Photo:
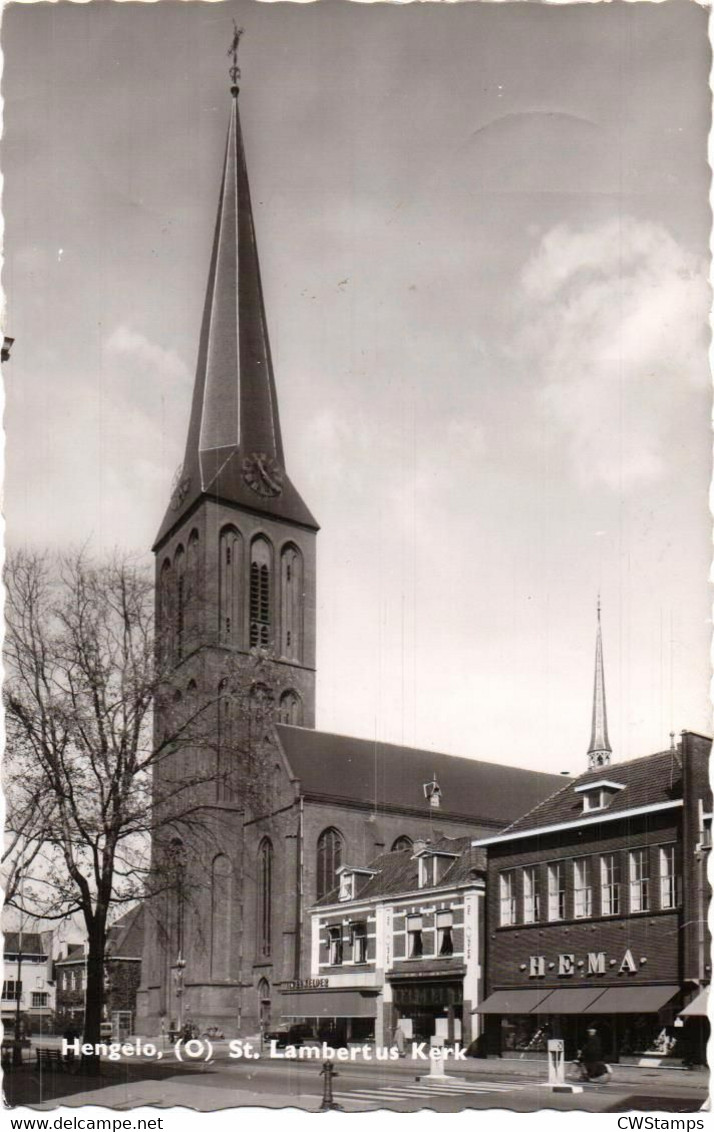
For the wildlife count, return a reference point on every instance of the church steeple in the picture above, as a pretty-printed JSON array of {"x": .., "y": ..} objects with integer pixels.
[
  {"x": 599, "y": 751},
  {"x": 234, "y": 450}
]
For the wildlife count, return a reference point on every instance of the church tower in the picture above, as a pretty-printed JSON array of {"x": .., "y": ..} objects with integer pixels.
[
  {"x": 235, "y": 553},
  {"x": 235, "y": 624},
  {"x": 599, "y": 751}
]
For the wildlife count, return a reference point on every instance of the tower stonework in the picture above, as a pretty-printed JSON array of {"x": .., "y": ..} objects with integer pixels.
[{"x": 235, "y": 613}]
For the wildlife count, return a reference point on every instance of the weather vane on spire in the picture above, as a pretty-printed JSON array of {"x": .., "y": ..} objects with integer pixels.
[{"x": 234, "y": 71}]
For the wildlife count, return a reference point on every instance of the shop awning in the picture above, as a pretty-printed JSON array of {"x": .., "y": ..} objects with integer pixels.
[
  {"x": 511, "y": 1002},
  {"x": 570, "y": 1000},
  {"x": 632, "y": 1000},
  {"x": 329, "y": 1004},
  {"x": 698, "y": 1006}
]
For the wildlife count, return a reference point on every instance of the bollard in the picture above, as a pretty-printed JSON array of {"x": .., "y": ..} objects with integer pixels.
[{"x": 328, "y": 1071}]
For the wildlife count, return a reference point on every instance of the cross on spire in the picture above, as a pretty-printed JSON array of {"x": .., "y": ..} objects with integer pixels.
[{"x": 234, "y": 71}]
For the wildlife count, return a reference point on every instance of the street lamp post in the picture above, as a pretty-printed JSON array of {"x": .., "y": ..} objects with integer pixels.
[
  {"x": 178, "y": 976},
  {"x": 17, "y": 1044}
]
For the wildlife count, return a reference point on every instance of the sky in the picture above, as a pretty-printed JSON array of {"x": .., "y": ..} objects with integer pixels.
[{"x": 483, "y": 232}]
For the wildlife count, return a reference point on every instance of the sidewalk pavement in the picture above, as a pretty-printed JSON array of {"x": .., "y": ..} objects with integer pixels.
[{"x": 178, "y": 1094}]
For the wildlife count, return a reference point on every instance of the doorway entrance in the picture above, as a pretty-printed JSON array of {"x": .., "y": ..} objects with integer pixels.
[{"x": 265, "y": 1006}]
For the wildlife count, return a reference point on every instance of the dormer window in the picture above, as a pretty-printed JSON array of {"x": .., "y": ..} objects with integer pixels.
[
  {"x": 433, "y": 866},
  {"x": 598, "y": 795},
  {"x": 352, "y": 878}
]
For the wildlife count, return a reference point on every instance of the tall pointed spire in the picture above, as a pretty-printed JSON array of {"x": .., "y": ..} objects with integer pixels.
[
  {"x": 599, "y": 751},
  {"x": 234, "y": 450}
]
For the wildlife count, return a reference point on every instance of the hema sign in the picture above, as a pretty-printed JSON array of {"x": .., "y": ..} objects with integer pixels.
[{"x": 596, "y": 963}]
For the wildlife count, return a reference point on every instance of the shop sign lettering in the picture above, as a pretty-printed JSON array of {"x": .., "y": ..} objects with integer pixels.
[
  {"x": 567, "y": 964},
  {"x": 307, "y": 984}
]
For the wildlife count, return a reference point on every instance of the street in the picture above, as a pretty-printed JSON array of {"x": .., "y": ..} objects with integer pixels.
[{"x": 402, "y": 1087}]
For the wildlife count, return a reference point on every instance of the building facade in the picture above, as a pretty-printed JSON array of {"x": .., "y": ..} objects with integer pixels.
[
  {"x": 397, "y": 945},
  {"x": 27, "y": 980},
  {"x": 283, "y": 805},
  {"x": 596, "y": 912},
  {"x": 122, "y": 977}
]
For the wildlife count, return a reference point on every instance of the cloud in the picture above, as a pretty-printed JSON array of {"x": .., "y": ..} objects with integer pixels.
[
  {"x": 613, "y": 329},
  {"x": 126, "y": 344}
]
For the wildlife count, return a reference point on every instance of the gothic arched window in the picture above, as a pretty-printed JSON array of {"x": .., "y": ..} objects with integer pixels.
[
  {"x": 402, "y": 842},
  {"x": 291, "y": 601},
  {"x": 265, "y": 896},
  {"x": 261, "y": 613},
  {"x": 329, "y": 859},
  {"x": 220, "y": 917},
  {"x": 230, "y": 566},
  {"x": 193, "y": 589},
  {"x": 290, "y": 708},
  {"x": 179, "y": 571}
]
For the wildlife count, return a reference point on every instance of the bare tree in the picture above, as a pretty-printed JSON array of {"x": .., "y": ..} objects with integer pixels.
[{"x": 90, "y": 782}]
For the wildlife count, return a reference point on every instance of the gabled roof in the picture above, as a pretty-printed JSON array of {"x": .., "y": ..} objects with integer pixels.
[
  {"x": 234, "y": 449},
  {"x": 384, "y": 774},
  {"x": 648, "y": 780},
  {"x": 398, "y": 872},
  {"x": 125, "y": 938}
]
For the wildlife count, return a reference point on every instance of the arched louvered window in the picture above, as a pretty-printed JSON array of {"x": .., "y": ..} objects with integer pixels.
[
  {"x": 166, "y": 613},
  {"x": 220, "y": 917},
  {"x": 329, "y": 859},
  {"x": 290, "y": 710},
  {"x": 291, "y": 603},
  {"x": 180, "y": 573},
  {"x": 193, "y": 590},
  {"x": 230, "y": 567},
  {"x": 261, "y": 614},
  {"x": 224, "y": 744},
  {"x": 265, "y": 896},
  {"x": 402, "y": 842}
]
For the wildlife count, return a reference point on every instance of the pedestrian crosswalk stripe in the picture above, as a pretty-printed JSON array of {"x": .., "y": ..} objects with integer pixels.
[{"x": 425, "y": 1089}]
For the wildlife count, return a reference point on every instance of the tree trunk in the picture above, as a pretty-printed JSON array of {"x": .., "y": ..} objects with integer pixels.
[{"x": 94, "y": 998}]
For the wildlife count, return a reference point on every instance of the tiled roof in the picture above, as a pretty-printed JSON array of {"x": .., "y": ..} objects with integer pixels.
[
  {"x": 648, "y": 780},
  {"x": 126, "y": 935},
  {"x": 75, "y": 953},
  {"x": 384, "y": 774},
  {"x": 399, "y": 871}
]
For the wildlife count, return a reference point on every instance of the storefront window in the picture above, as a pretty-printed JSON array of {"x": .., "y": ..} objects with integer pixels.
[
  {"x": 444, "y": 929},
  {"x": 524, "y": 1034},
  {"x": 531, "y": 896},
  {"x": 414, "y": 937},
  {"x": 359, "y": 942},
  {"x": 639, "y": 880},
  {"x": 610, "y": 884},
  {"x": 507, "y": 882},
  {"x": 335, "y": 939},
  {"x": 667, "y": 877},
  {"x": 556, "y": 890},
  {"x": 583, "y": 888}
]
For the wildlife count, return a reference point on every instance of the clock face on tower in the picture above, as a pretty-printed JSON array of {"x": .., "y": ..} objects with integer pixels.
[{"x": 263, "y": 474}]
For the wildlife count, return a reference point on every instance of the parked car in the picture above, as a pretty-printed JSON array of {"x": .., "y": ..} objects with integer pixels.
[{"x": 295, "y": 1035}]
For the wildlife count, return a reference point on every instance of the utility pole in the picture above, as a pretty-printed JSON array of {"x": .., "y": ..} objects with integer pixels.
[{"x": 17, "y": 1044}]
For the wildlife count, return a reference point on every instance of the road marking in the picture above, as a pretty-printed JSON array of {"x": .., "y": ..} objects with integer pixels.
[{"x": 426, "y": 1089}]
